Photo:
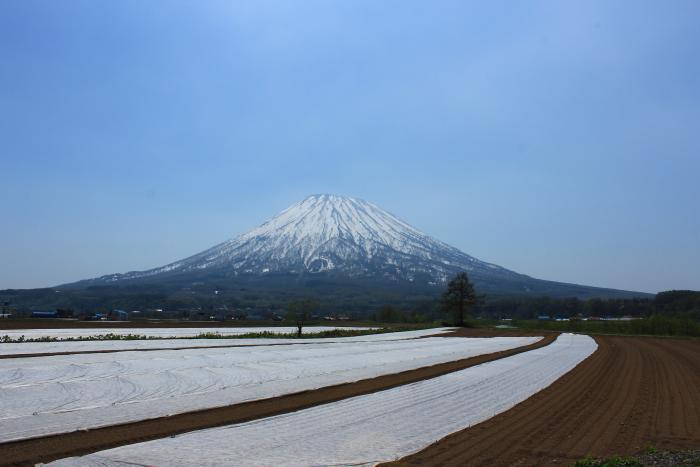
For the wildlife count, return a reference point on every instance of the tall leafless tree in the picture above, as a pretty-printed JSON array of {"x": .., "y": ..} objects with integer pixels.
[{"x": 300, "y": 312}]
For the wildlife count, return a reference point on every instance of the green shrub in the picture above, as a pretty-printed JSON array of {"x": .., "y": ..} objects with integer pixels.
[
  {"x": 611, "y": 462},
  {"x": 654, "y": 325}
]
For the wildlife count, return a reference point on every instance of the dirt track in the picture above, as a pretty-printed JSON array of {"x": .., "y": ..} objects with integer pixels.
[
  {"x": 77, "y": 443},
  {"x": 632, "y": 393}
]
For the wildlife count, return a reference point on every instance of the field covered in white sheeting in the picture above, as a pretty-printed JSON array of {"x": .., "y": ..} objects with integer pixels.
[
  {"x": 366, "y": 429},
  {"x": 120, "y": 345},
  {"x": 57, "y": 394},
  {"x": 165, "y": 332}
]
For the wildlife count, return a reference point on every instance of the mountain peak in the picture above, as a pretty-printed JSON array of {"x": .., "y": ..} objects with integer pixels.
[
  {"x": 335, "y": 234},
  {"x": 328, "y": 197},
  {"x": 343, "y": 239}
]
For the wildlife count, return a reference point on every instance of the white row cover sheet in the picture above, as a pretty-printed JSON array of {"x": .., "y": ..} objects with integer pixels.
[
  {"x": 366, "y": 429},
  {"x": 165, "y": 332},
  {"x": 57, "y": 394},
  {"x": 96, "y": 346}
]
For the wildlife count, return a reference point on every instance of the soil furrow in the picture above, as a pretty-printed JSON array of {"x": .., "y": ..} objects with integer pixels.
[{"x": 632, "y": 393}]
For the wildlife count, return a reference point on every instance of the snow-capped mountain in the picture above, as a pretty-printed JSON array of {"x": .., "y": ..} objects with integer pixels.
[
  {"x": 336, "y": 246},
  {"x": 337, "y": 235},
  {"x": 336, "y": 240}
]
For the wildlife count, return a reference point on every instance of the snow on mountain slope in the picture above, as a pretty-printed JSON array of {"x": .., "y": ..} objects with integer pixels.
[{"x": 338, "y": 235}]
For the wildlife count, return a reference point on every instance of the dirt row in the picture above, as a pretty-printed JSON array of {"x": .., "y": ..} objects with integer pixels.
[
  {"x": 631, "y": 394},
  {"x": 45, "y": 449}
]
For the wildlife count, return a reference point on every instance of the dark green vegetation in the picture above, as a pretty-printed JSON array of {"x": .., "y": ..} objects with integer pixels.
[
  {"x": 258, "y": 299},
  {"x": 650, "y": 458},
  {"x": 672, "y": 303},
  {"x": 654, "y": 325},
  {"x": 391, "y": 314},
  {"x": 245, "y": 296},
  {"x": 459, "y": 298},
  {"x": 612, "y": 462},
  {"x": 355, "y": 297},
  {"x": 672, "y": 313}
]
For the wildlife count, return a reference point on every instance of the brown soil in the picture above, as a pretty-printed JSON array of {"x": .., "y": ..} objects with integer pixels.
[
  {"x": 49, "y": 448},
  {"x": 630, "y": 394}
]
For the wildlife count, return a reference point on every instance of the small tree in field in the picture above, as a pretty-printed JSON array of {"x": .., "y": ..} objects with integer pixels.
[
  {"x": 459, "y": 297},
  {"x": 300, "y": 311}
]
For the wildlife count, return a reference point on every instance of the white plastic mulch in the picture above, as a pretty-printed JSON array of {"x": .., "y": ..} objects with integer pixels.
[
  {"x": 163, "y": 343},
  {"x": 366, "y": 429},
  {"x": 57, "y": 394},
  {"x": 163, "y": 332}
]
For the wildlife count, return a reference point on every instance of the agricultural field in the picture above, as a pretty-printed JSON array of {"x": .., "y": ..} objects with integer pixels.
[
  {"x": 418, "y": 397},
  {"x": 49, "y": 395},
  {"x": 162, "y": 333},
  {"x": 370, "y": 428},
  {"x": 111, "y": 345},
  {"x": 634, "y": 394}
]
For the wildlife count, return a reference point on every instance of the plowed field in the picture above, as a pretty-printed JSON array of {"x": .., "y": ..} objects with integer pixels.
[{"x": 630, "y": 394}]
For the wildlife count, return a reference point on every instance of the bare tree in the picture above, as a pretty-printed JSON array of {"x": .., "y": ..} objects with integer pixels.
[{"x": 300, "y": 312}]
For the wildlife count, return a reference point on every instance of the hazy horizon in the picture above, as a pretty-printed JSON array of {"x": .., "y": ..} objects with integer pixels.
[{"x": 558, "y": 140}]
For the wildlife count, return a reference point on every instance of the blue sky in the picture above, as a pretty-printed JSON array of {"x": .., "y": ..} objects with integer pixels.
[{"x": 557, "y": 139}]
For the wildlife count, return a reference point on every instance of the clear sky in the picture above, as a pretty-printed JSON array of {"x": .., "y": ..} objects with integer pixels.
[{"x": 557, "y": 139}]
